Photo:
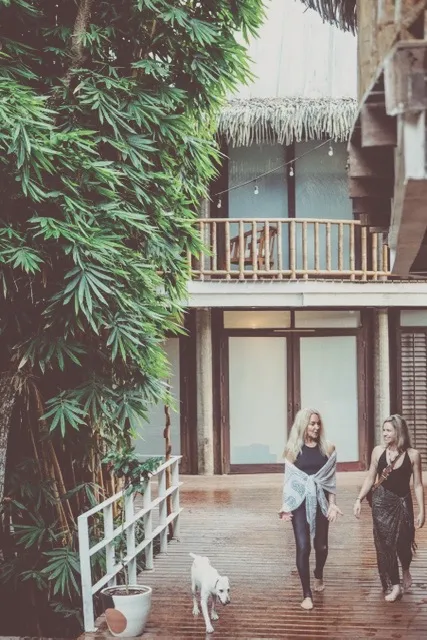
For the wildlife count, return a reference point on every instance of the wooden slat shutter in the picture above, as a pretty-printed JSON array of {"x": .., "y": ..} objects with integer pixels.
[{"x": 414, "y": 386}]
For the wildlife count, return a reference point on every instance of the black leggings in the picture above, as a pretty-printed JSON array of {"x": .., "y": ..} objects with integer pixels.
[{"x": 303, "y": 546}]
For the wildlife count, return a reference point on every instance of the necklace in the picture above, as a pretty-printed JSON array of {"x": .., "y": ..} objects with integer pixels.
[{"x": 390, "y": 457}]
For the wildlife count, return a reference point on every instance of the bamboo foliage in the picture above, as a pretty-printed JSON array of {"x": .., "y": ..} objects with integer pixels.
[{"x": 107, "y": 114}]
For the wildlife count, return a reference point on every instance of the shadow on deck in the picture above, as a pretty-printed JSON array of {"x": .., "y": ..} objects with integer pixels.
[{"x": 233, "y": 520}]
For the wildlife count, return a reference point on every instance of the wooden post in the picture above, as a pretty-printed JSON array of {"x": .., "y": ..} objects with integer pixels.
[
  {"x": 279, "y": 250},
  {"x": 304, "y": 249},
  {"x": 241, "y": 250},
  {"x": 254, "y": 251},
  {"x": 227, "y": 250},
  {"x": 292, "y": 248}
]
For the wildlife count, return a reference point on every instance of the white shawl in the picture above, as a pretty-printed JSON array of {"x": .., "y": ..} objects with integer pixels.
[{"x": 298, "y": 486}]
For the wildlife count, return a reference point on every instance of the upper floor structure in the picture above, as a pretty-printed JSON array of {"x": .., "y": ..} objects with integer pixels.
[{"x": 388, "y": 156}]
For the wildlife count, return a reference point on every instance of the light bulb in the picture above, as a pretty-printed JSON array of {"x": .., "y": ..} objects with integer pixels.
[
  {"x": 331, "y": 150},
  {"x": 219, "y": 204},
  {"x": 256, "y": 190},
  {"x": 291, "y": 170}
]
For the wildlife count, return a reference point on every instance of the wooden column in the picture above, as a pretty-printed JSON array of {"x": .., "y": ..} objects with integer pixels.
[
  {"x": 205, "y": 441},
  {"x": 382, "y": 372}
]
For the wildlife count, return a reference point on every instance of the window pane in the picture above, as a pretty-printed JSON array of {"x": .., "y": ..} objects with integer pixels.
[
  {"x": 413, "y": 318},
  {"x": 321, "y": 182},
  {"x": 329, "y": 384},
  {"x": 257, "y": 319},
  {"x": 257, "y": 368},
  {"x": 327, "y": 319},
  {"x": 245, "y": 163}
]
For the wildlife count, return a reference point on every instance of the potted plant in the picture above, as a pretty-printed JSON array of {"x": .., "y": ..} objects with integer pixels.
[{"x": 127, "y": 606}]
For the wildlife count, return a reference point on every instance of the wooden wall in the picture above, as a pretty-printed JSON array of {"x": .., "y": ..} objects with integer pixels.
[{"x": 380, "y": 24}]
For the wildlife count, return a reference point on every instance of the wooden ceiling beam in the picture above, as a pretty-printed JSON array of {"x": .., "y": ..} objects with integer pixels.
[
  {"x": 378, "y": 129},
  {"x": 370, "y": 162}
]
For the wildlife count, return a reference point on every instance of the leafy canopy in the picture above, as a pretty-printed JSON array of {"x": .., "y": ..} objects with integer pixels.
[{"x": 107, "y": 120}]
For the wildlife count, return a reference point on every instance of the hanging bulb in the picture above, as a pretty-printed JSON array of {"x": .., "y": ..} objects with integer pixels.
[
  {"x": 219, "y": 204},
  {"x": 256, "y": 190},
  {"x": 291, "y": 170},
  {"x": 331, "y": 151}
]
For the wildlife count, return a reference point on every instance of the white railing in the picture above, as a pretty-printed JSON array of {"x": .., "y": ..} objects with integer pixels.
[{"x": 149, "y": 504}]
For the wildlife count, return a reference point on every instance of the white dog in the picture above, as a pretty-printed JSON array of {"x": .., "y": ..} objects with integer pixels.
[{"x": 207, "y": 579}]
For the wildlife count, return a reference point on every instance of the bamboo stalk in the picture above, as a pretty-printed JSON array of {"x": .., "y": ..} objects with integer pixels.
[
  {"x": 352, "y": 252},
  {"x": 385, "y": 259},
  {"x": 328, "y": 246},
  {"x": 375, "y": 255},
  {"x": 227, "y": 250},
  {"x": 304, "y": 249},
  {"x": 241, "y": 250},
  {"x": 292, "y": 248},
  {"x": 254, "y": 250},
  {"x": 60, "y": 481},
  {"x": 202, "y": 251},
  {"x": 340, "y": 247},
  {"x": 214, "y": 246},
  {"x": 279, "y": 250},
  {"x": 316, "y": 247},
  {"x": 364, "y": 253},
  {"x": 266, "y": 246}
]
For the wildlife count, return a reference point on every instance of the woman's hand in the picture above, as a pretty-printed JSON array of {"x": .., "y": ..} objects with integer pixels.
[
  {"x": 286, "y": 516},
  {"x": 333, "y": 512},
  {"x": 357, "y": 508},
  {"x": 419, "y": 521}
]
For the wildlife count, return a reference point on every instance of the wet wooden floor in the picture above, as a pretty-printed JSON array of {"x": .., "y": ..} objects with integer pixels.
[{"x": 234, "y": 521}]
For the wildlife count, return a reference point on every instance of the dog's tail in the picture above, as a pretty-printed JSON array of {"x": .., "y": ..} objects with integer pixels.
[{"x": 193, "y": 555}]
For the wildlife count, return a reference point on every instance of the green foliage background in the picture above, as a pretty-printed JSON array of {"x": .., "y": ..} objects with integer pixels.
[{"x": 107, "y": 118}]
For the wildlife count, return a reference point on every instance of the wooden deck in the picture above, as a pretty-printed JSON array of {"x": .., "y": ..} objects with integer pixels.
[{"x": 233, "y": 520}]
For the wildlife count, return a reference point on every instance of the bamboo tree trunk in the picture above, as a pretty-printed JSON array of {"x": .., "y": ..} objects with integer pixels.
[{"x": 7, "y": 401}]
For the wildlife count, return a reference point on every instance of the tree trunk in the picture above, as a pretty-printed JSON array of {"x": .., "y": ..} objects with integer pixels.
[{"x": 7, "y": 400}]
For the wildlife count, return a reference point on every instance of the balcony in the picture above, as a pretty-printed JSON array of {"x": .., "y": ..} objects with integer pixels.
[{"x": 247, "y": 249}]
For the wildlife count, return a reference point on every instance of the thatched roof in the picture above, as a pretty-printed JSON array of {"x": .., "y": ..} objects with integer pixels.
[
  {"x": 341, "y": 13},
  {"x": 283, "y": 120}
]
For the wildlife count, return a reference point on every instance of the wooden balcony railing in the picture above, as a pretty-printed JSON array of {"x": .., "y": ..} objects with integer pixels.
[{"x": 285, "y": 248}]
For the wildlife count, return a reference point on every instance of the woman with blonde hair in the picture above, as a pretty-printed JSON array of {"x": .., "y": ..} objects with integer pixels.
[
  {"x": 387, "y": 484},
  {"x": 309, "y": 495}
]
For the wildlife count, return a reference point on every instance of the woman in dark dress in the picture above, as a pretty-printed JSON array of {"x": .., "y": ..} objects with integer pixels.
[
  {"x": 392, "y": 509},
  {"x": 309, "y": 496}
]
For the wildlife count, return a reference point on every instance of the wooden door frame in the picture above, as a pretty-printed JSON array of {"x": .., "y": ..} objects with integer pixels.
[{"x": 364, "y": 364}]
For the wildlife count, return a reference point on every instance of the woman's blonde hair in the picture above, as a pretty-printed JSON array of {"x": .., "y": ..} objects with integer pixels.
[
  {"x": 297, "y": 435},
  {"x": 402, "y": 432}
]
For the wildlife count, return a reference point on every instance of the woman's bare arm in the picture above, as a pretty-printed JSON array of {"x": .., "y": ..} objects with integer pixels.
[
  {"x": 369, "y": 481},
  {"x": 418, "y": 487}
]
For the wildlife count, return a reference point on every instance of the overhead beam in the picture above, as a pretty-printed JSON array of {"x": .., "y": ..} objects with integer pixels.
[
  {"x": 378, "y": 129},
  {"x": 405, "y": 239}
]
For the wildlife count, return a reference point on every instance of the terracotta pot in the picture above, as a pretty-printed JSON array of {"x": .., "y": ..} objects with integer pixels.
[{"x": 126, "y": 613}]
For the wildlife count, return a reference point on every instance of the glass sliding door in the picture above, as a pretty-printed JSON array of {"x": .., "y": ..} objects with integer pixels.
[
  {"x": 257, "y": 399},
  {"x": 328, "y": 368}
]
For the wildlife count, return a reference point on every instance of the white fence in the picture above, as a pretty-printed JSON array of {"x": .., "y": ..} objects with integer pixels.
[{"x": 145, "y": 514}]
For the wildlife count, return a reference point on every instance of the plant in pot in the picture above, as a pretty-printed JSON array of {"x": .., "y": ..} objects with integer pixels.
[{"x": 127, "y": 606}]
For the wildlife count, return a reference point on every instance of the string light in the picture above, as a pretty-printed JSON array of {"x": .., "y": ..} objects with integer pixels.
[
  {"x": 219, "y": 204},
  {"x": 290, "y": 163}
]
